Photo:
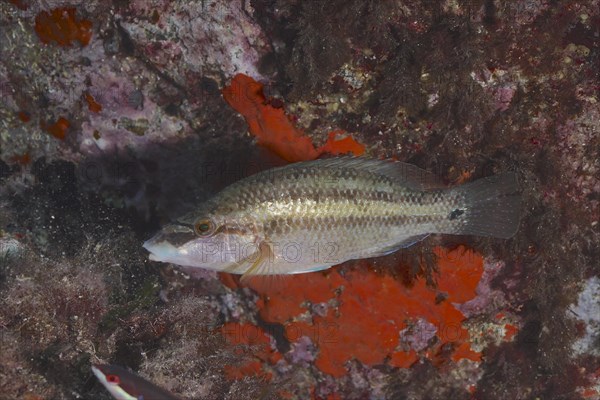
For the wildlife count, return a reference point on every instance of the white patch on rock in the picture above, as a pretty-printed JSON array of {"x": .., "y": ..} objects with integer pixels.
[{"x": 587, "y": 309}]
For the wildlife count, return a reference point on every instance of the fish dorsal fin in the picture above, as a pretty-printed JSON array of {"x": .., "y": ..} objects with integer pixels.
[{"x": 410, "y": 175}]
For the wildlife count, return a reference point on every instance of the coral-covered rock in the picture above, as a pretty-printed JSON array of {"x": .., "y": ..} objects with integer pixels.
[{"x": 118, "y": 115}]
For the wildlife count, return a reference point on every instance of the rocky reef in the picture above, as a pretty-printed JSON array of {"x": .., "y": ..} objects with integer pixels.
[{"x": 116, "y": 116}]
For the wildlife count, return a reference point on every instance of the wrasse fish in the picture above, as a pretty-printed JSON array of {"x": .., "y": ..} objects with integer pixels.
[
  {"x": 312, "y": 215},
  {"x": 125, "y": 385}
]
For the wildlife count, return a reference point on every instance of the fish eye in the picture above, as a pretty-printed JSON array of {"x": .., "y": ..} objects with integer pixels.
[
  {"x": 113, "y": 379},
  {"x": 204, "y": 227}
]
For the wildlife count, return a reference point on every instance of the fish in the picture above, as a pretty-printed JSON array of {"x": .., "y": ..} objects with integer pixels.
[
  {"x": 311, "y": 215},
  {"x": 125, "y": 385}
]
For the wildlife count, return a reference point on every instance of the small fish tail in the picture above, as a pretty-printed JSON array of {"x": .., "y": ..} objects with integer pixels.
[{"x": 492, "y": 206}]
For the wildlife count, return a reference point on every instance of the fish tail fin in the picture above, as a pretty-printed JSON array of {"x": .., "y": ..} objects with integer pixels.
[{"x": 492, "y": 206}]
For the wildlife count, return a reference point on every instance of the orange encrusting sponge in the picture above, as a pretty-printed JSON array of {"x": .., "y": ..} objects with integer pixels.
[
  {"x": 366, "y": 312},
  {"x": 249, "y": 338},
  {"x": 61, "y": 26},
  {"x": 274, "y": 130},
  {"x": 57, "y": 129}
]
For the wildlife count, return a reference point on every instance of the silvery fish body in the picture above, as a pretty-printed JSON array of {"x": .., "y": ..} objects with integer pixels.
[{"x": 311, "y": 215}]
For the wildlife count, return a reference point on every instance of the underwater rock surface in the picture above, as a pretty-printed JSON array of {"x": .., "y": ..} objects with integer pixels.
[{"x": 116, "y": 116}]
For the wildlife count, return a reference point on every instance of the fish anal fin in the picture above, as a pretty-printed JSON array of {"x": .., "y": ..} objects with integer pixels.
[
  {"x": 407, "y": 242},
  {"x": 412, "y": 240}
]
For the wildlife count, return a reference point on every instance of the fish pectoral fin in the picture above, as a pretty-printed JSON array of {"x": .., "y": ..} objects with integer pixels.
[
  {"x": 260, "y": 265},
  {"x": 407, "y": 242},
  {"x": 233, "y": 267},
  {"x": 236, "y": 266}
]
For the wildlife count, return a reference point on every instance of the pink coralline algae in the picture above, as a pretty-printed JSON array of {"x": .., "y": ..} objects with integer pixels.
[
  {"x": 574, "y": 138},
  {"x": 498, "y": 85},
  {"x": 118, "y": 121},
  {"x": 206, "y": 38}
]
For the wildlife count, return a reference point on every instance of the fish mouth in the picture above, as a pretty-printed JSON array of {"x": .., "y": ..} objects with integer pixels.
[
  {"x": 160, "y": 249},
  {"x": 96, "y": 370}
]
